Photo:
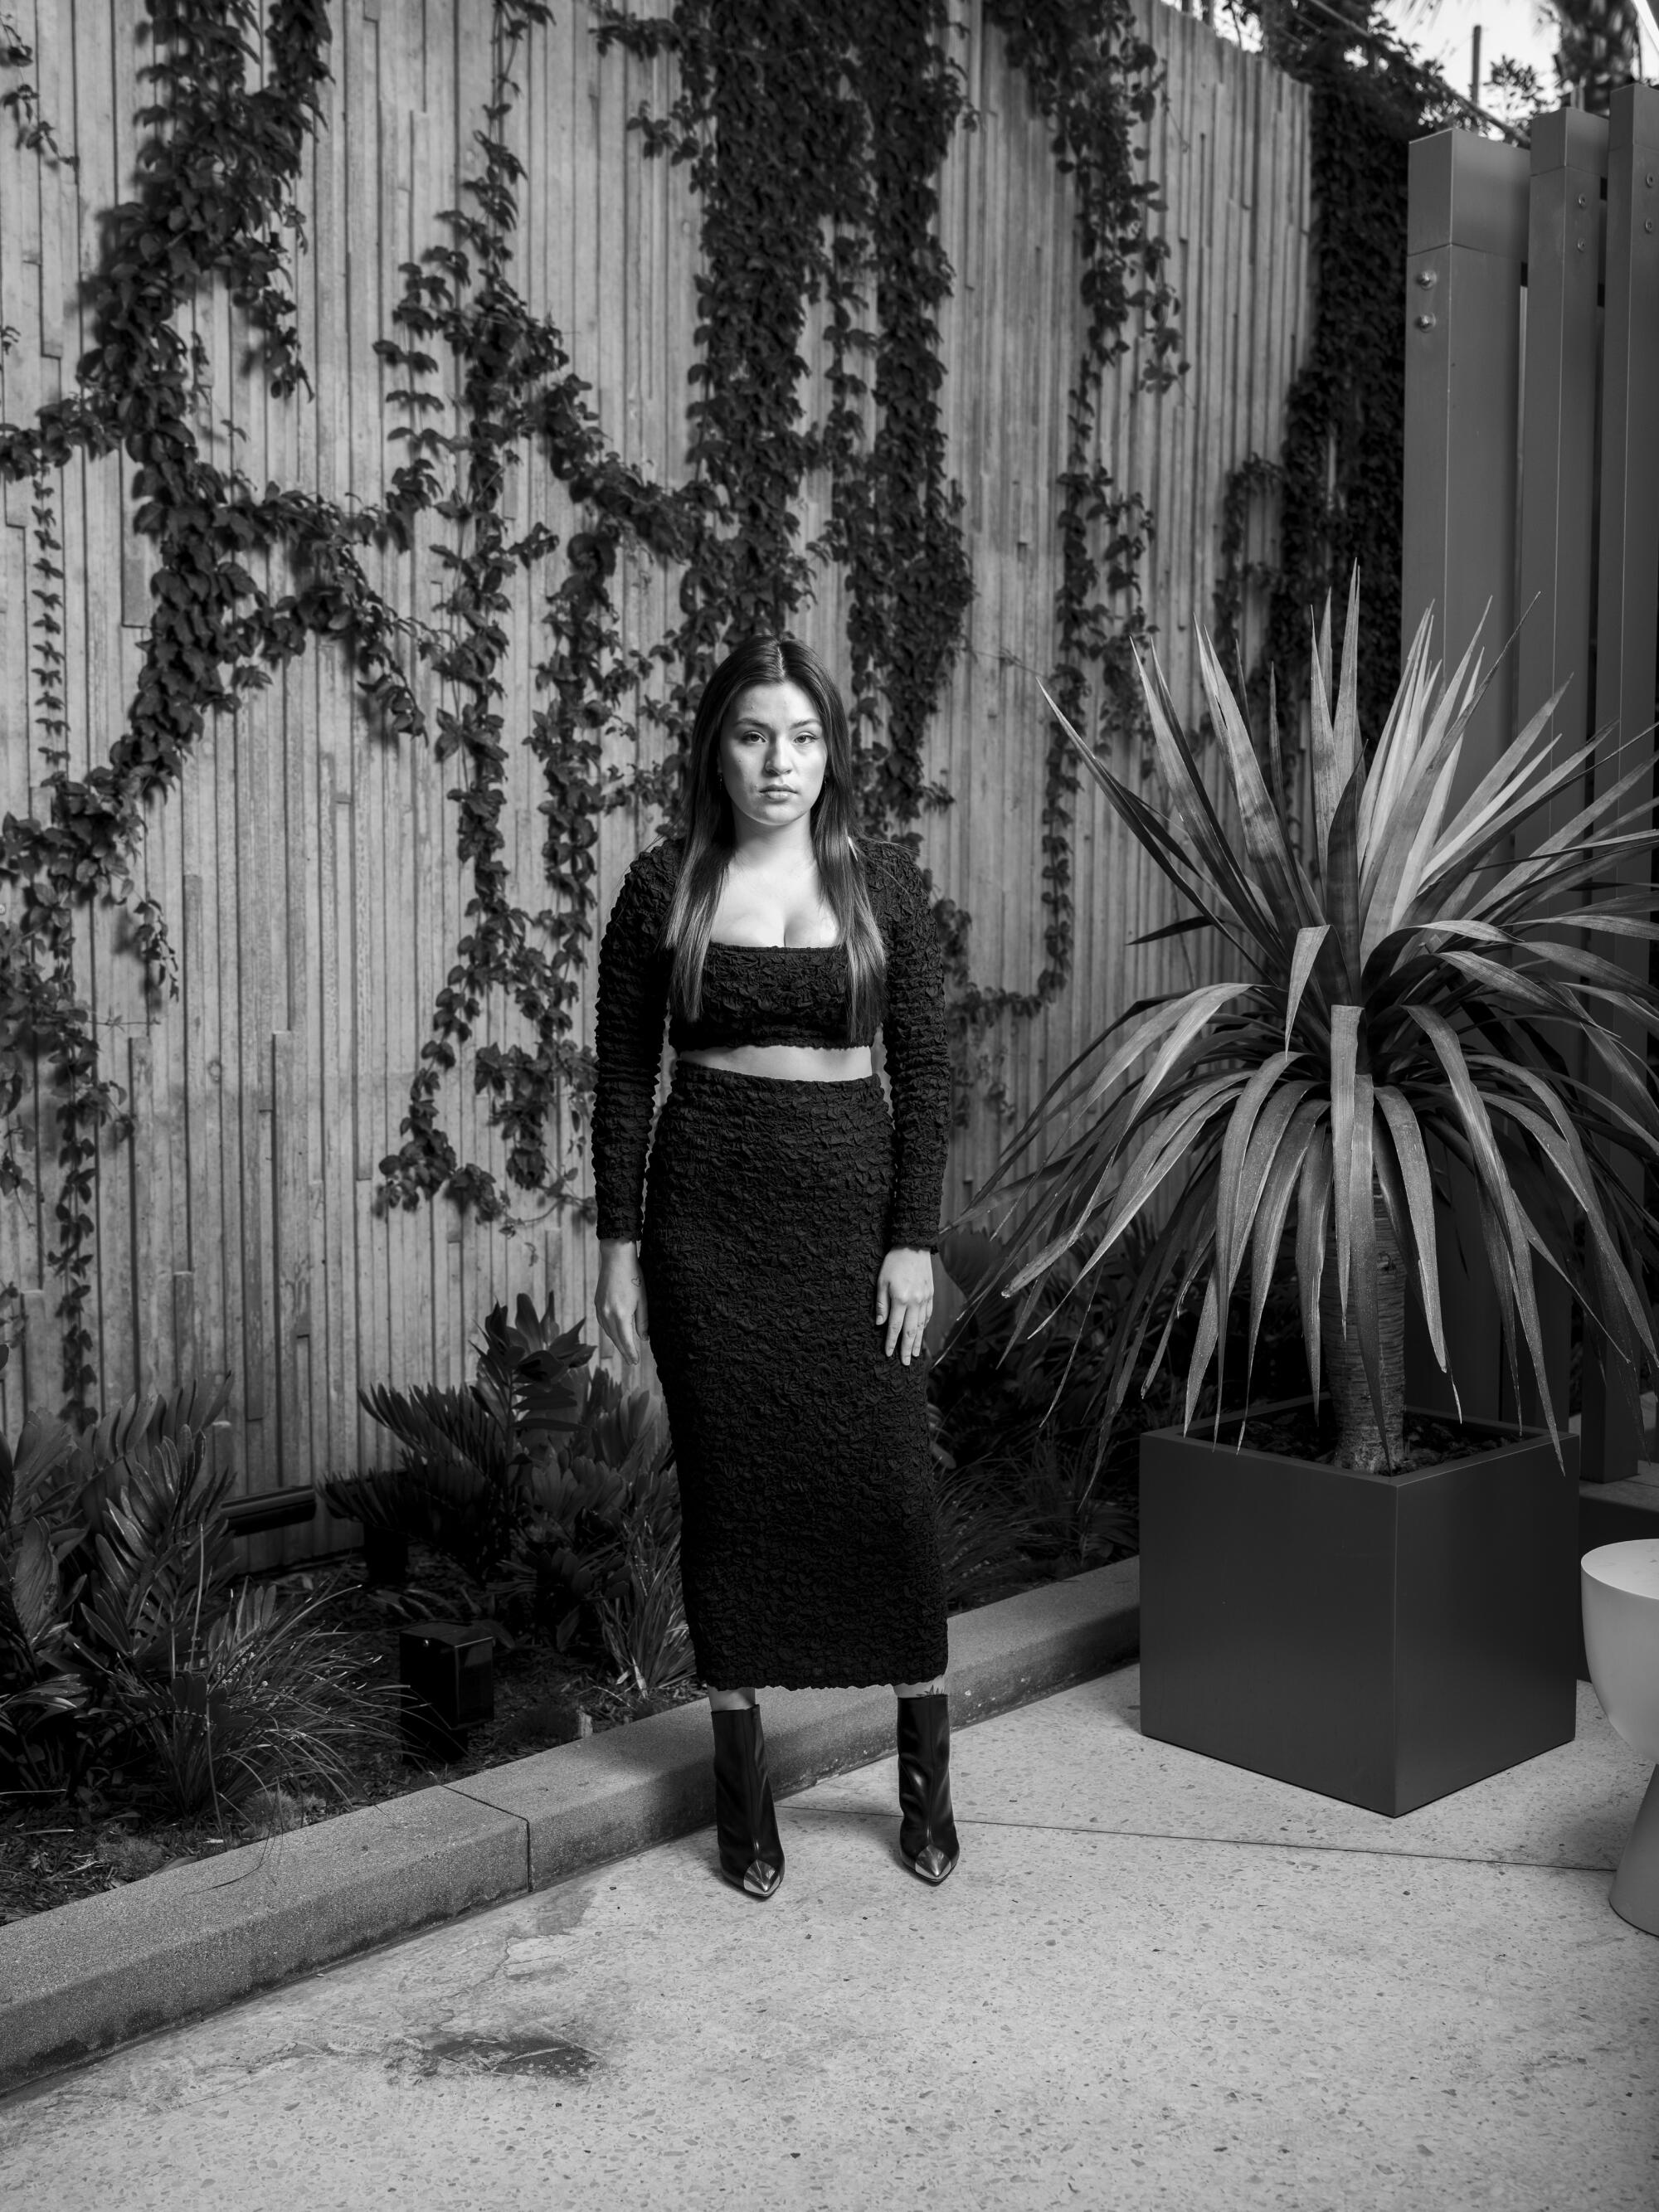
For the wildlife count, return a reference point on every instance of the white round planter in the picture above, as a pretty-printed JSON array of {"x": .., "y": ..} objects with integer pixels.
[{"x": 1620, "y": 1587}]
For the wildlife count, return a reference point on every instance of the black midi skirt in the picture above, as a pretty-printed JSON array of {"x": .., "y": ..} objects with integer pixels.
[{"x": 808, "y": 1551}]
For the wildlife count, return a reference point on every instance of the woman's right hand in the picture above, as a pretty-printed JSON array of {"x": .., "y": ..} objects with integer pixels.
[{"x": 619, "y": 1301}]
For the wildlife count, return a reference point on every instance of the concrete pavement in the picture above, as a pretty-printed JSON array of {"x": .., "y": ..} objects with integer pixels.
[{"x": 1154, "y": 1981}]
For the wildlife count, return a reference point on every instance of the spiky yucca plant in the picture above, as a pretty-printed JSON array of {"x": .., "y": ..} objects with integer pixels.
[{"x": 1404, "y": 996}]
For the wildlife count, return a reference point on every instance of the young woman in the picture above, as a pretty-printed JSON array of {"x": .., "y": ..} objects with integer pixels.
[{"x": 781, "y": 1259}]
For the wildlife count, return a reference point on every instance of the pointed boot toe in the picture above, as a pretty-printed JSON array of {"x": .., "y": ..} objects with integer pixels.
[
  {"x": 932, "y": 1863},
  {"x": 761, "y": 1878}
]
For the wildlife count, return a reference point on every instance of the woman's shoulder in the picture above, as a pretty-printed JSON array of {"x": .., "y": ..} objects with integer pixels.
[
  {"x": 654, "y": 870},
  {"x": 882, "y": 856},
  {"x": 647, "y": 890},
  {"x": 889, "y": 870},
  {"x": 660, "y": 863}
]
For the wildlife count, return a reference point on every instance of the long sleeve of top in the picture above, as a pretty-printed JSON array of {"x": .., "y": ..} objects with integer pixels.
[
  {"x": 633, "y": 1003},
  {"x": 917, "y": 1062},
  {"x": 771, "y": 995}
]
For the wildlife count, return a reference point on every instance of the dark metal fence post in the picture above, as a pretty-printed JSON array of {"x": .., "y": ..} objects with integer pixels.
[
  {"x": 1627, "y": 594},
  {"x": 1566, "y": 256},
  {"x": 1466, "y": 251}
]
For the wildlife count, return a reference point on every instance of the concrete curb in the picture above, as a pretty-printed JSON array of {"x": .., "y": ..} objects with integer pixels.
[{"x": 196, "y": 1936}]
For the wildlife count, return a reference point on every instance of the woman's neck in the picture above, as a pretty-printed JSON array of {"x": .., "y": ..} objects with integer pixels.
[{"x": 788, "y": 848}]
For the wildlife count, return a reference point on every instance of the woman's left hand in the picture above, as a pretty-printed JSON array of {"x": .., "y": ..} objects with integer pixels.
[{"x": 904, "y": 1299}]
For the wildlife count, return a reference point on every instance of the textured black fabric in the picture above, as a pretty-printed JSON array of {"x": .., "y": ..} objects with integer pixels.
[
  {"x": 809, "y": 1552},
  {"x": 771, "y": 995}
]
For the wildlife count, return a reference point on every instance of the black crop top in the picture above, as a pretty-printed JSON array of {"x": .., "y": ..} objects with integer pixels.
[{"x": 771, "y": 995}]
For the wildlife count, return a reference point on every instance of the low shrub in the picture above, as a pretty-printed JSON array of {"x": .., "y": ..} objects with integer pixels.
[
  {"x": 129, "y": 1650},
  {"x": 552, "y": 1488},
  {"x": 470, "y": 1459}
]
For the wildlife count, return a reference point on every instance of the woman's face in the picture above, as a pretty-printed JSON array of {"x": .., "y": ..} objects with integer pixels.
[{"x": 772, "y": 755}]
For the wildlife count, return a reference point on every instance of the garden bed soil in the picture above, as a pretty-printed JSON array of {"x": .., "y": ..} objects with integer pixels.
[{"x": 1303, "y": 1432}]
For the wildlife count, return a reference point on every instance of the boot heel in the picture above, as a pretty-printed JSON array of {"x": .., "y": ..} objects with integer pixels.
[
  {"x": 927, "y": 1829},
  {"x": 751, "y": 1852}
]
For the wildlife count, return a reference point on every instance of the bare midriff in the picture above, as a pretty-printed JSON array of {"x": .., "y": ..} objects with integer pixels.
[{"x": 794, "y": 1063}]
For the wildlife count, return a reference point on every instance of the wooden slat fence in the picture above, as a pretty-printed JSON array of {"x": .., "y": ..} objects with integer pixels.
[{"x": 307, "y": 868}]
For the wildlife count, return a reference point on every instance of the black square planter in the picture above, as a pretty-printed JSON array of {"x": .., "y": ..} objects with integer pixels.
[
  {"x": 1383, "y": 1640},
  {"x": 385, "y": 1557},
  {"x": 448, "y": 1677}
]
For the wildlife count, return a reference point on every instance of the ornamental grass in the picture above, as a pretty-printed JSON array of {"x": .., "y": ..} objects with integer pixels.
[{"x": 1429, "y": 987}]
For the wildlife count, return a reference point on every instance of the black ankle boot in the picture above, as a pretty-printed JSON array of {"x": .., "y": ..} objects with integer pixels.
[
  {"x": 927, "y": 1833},
  {"x": 752, "y": 1855}
]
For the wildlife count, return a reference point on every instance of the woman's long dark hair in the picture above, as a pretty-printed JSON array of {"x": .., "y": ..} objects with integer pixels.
[{"x": 711, "y": 833}]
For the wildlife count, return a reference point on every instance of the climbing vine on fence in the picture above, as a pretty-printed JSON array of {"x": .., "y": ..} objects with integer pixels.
[
  {"x": 215, "y": 197},
  {"x": 517, "y": 392},
  {"x": 244, "y": 579},
  {"x": 1333, "y": 497},
  {"x": 1097, "y": 79},
  {"x": 755, "y": 80},
  {"x": 896, "y": 513},
  {"x": 868, "y": 84}
]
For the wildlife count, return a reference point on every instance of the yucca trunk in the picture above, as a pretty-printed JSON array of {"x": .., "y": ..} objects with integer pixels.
[{"x": 1361, "y": 1444}]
